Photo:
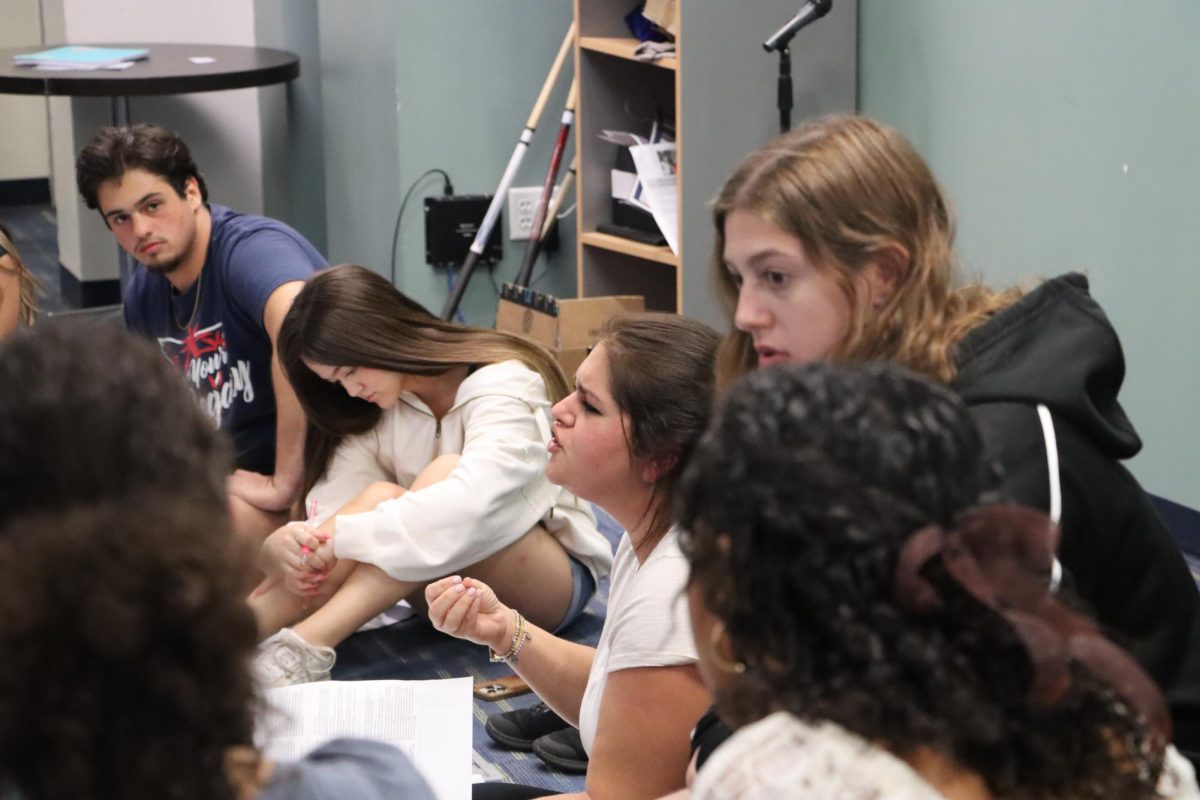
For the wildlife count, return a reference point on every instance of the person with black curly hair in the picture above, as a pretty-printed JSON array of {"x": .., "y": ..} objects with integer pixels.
[
  {"x": 125, "y": 635},
  {"x": 88, "y": 413},
  {"x": 874, "y": 628}
]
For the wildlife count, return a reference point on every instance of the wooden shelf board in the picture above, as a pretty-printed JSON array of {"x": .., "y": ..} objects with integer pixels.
[
  {"x": 622, "y": 47},
  {"x": 660, "y": 253}
]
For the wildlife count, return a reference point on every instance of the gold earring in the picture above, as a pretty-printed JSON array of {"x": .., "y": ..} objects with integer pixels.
[{"x": 718, "y": 641}]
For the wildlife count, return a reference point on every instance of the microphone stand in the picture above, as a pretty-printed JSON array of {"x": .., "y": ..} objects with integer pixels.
[
  {"x": 780, "y": 41},
  {"x": 784, "y": 83}
]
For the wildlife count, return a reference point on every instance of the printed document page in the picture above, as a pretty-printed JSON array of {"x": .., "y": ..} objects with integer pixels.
[
  {"x": 430, "y": 721},
  {"x": 656, "y": 170}
]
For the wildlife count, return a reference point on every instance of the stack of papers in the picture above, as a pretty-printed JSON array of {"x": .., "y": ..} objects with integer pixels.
[
  {"x": 429, "y": 721},
  {"x": 81, "y": 57},
  {"x": 651, "y": 186},
  {"x": 657, "y": 175}
]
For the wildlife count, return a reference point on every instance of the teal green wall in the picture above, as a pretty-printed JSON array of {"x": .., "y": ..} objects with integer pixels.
[
  {"x": 408, "y": 85},
  {"x": 1068, "y": 135},
  {"x": 296, "y": 192},
  {"x": 467, "y": 74}
]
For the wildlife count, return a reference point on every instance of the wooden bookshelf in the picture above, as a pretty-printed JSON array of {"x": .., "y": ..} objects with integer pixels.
[
  {"x": 719, "y": 95},
  {"x": 621, "y": 47},
  {"x": 629, "y": 247}
]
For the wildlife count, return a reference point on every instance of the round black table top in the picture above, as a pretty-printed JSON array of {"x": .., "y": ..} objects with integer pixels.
[{"x": 170, "y": 69}]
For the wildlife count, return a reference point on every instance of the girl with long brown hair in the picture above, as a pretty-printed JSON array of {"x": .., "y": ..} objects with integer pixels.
[
  {"x": 836, "y": 242},
  {"x": 425, "y": 455}
]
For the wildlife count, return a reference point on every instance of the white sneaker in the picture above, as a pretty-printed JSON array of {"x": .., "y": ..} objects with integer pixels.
[{"x": 285, "y": 659}]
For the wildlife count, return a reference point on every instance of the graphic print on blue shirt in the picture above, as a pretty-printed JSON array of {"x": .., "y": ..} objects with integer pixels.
[{"x": 203, "y": 358}]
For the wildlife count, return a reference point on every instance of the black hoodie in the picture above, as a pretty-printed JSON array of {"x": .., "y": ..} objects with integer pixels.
[{"x": 1055, "y": 347}]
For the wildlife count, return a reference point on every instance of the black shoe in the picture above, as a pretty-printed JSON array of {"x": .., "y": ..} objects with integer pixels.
[
  {"x": 562, "y": 749},
  {"x": 519, "y": 728}
]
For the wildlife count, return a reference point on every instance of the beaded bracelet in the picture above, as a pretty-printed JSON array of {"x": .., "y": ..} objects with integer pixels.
[{"x": 519, "y": 638}]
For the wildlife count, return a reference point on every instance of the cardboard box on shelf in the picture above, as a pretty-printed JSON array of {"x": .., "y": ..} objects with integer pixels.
[
  {"x": 572, "y": 332},
  {"x": 664, "y": 14}
]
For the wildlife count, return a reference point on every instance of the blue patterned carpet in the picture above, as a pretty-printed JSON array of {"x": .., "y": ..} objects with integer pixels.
[{"x": 413, "y": 650}]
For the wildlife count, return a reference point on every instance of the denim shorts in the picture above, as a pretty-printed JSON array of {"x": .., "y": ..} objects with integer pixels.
[{"x": 583, "y": 586}]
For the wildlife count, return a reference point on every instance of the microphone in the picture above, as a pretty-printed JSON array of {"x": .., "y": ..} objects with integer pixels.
[{"x": 809, "y": 13}]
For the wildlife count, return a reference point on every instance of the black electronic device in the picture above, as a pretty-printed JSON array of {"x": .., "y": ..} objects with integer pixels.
[
  {"x": 633, "y": 234},
  {"x": 451, "y": 224},
  {"x": 628, "y": 214}
]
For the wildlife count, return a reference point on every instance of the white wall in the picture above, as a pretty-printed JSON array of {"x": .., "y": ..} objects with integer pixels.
[{"x": 24, "y": 145}]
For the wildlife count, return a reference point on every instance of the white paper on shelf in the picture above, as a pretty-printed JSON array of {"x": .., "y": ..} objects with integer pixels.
[
  {"x": 430, "y": 721},
  {"x": 656, "y": 171},
  {"x": 622, "y": 138},
  {"x": 623, "y": 184}
]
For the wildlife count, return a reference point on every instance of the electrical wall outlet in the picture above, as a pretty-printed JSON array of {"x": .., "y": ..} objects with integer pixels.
[{"x": 522, "y": 203}]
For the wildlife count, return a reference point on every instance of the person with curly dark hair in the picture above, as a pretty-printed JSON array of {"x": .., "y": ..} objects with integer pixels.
[
  {"x": 87, "y": 413},
  {"x": 125, "y": 636},
  {"x": 874, "y": 628}
]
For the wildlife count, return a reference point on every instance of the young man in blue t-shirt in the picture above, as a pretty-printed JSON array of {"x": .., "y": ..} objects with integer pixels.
[{"x": 211, "y": 286}]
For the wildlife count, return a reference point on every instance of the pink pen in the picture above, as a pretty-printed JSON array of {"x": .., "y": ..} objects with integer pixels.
[{"x": 312, "y": 513}]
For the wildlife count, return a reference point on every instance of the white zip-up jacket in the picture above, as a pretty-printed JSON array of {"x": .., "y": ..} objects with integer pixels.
[{"x": 499, "y": 424}]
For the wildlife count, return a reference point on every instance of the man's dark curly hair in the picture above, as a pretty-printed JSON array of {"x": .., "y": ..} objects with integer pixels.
[
  {"x": 113, "y": 150},
  {"x": 795, "y": 506},
  {"x": 126, "y": 642},
  {"x": 89, "y": 411}
]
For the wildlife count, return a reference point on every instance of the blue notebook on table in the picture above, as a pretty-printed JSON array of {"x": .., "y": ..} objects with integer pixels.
[{"x": 81, "y": 57}]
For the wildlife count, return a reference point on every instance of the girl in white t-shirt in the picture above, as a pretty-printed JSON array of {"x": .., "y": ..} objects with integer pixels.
[{"x": 641, "y": 399}]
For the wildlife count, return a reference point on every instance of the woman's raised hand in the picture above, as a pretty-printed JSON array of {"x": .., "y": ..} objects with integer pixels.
[{"x": 468, "y": 609}]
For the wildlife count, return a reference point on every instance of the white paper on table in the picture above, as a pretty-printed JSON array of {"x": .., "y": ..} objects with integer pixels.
[
  {"x": 430, "y": 721},
  {"x": 656, "y": 170}
]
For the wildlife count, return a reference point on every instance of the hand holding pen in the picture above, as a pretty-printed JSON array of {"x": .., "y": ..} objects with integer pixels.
[
  {"x": 315, "y": 556},
  {"x": 305, "y": 550},
  {"x": 298, "y": 555}
]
